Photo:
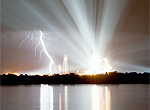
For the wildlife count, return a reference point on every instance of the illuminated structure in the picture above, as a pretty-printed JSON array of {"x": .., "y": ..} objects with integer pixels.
[
  {"x": 98, "y": 66},
  {"x": 104, "y": 65},
  {"x": 95, "y": 62},
  {"x": 65, "y": 65}
]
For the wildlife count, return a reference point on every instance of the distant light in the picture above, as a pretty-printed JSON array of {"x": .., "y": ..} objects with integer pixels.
[
  {"x": 6, "y": 73},
  {"x": 15, "y": 73},
  {"x": 59, "y": 68},
  {"x": 42, "y": 74}
]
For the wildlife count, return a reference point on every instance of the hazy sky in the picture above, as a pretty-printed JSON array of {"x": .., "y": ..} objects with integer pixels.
[{"x": 119, "y": 30}]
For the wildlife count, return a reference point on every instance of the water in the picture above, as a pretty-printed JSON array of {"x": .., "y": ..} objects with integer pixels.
[{"x": 75, "y": 97}]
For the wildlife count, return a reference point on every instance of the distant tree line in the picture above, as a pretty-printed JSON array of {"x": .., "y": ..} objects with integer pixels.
[{"x": 113, "y": 78}]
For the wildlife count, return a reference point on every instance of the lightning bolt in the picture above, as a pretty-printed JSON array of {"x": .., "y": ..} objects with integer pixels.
[
  {"x": 44, "y": 49},
  {"x": 22, "y": 42},
  {"x": 36, "y": 47},
  {"x": 30, "y": 36},
  {"x": 27, "y": 37},
  {"x": 41, "y": 55}
]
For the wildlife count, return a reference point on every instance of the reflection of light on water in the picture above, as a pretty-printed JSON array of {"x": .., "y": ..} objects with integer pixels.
[
  {"x": 66, "y": 97},
  {"x": 100, "y": 98},
  {"x": 107, "y": 94},
  {"x": 46, "y": 97},
  {"x": 59, "y": 101},
  {"x": 95, "y": 97}
]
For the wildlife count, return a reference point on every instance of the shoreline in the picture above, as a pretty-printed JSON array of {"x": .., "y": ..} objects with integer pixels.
[{"x": 113, "y": 78}]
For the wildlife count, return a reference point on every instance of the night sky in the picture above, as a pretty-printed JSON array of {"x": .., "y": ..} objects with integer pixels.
[{"x": 119, "y": 30}]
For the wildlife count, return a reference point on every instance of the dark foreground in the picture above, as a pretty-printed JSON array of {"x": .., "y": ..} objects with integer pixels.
[{"x": 113, "y": 78}]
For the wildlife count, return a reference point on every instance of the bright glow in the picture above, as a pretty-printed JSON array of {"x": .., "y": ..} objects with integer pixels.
[
  {"x": 15, "y": 73},
  {"x": 100, "y": 98},
  {"x": 6, "y": 73},
  {"x": 98, "y": 66},
  {"x": 46, "y": 97},
  {"x": 42, "y": 74},
  {"x": 47, "y": 54},
  {"x": 59, "y": 68},
  {"x": 95, "y": 63}
]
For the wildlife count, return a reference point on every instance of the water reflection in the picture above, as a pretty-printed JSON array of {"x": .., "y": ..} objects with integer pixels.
[
  {"x": 63, "y": 97},
  {"x": 46, "y": 97},
  {"x": 100, "y": 98},
  {"x": 66, "y": 97},
  {"x": 59, "y": 101},
  {"x": 76, "y": 97}
]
